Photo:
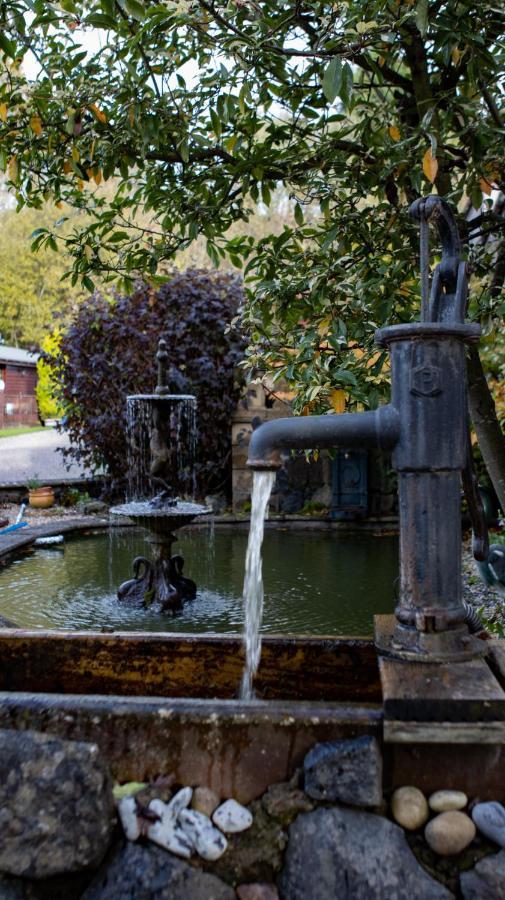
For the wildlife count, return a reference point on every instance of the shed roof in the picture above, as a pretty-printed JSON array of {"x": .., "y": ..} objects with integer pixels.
[{"x": 16, "y": 356}]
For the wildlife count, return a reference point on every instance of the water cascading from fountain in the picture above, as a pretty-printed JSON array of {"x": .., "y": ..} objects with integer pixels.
[
  {"x": 263, "y": 483},
  {"x": 161, "y": 440},
  {"x": 172, "y": 419}
]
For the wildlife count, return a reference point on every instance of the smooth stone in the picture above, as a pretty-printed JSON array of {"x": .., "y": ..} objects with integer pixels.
[
  {"x": 450, "y": 832},
  {"x": 348, "y": 771},
  {"x": 490, "y": 820},
  {"x": 166, "y": 832},
  {"x": 138, "y": 872},
  {"x": 180, "y": 801},
  {"x": 486, "y": 881},
  {"x": 208, "y": 841},
  {"x": 257, "y": 891},
  {"x": 56, "y": 805},
  {"x": 443, "y": 801},
  {"x": 205, "y": 800},
  {"x": 127, "y": 812},
  {"x": 350, "y": 854},
  {"x": 231, "y": 817},
  {"x": 409, "y": 807}
]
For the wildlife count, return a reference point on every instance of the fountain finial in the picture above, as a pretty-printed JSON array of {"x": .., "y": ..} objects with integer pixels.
[{"x": 162, "y": 388}]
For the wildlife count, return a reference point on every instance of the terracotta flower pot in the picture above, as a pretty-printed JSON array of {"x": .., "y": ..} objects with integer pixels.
[{"x": 41, "y": 498}]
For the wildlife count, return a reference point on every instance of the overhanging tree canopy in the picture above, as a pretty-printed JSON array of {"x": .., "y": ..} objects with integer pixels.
[{"x": 192, "y": 110}]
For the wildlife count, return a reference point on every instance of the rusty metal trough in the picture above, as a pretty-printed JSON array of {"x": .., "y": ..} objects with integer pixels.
[{"x": 160, "y": 703}]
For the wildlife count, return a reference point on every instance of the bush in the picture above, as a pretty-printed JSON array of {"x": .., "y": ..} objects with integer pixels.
[
  {"x": 47, "y": 389},
  {"x": 108, "y": 352}
]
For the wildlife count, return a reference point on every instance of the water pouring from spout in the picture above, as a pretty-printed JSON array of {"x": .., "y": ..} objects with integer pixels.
[{"x": 263, "y": 483}]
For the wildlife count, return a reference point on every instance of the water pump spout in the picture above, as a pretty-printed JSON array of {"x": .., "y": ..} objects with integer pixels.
[{"x": 379, "y": 428}]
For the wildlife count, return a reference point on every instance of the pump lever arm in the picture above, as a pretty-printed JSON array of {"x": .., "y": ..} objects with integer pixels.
[{"x": 448, "y": 298}]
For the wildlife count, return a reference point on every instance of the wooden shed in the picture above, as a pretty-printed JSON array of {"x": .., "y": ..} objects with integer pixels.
[{"x": 18, "y": 380}]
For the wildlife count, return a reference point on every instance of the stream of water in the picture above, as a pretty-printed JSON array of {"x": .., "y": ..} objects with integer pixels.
[{"x": 263, "y": 483}]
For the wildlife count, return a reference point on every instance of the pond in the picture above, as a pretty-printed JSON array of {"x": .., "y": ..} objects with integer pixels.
[{"x": 315, "y": 582}]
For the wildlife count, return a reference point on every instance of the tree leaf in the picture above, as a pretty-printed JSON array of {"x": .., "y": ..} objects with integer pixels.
[
  {"x": 98, "y": 113},
  {"x": 36, "y": 125},
  {"x": 332, "y": 79},
  {"x": 135, "y": 9},
  {"x": 3, "y": 112},
  {"x": 430, "y": 166},
  {"x": 337, "y": 400}
]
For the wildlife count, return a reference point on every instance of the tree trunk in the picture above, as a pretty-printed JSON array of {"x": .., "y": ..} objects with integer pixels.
[{"x": 486, "y": 425}]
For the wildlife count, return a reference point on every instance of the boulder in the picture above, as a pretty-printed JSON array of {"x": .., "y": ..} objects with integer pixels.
[
  {"x": 487, "y": 880},
  {"x": 352, "y": 855},
  {"x": 56, "y": 805},
  {"x": 144, "y": 873},
  {"x": 347, "y": 771}
]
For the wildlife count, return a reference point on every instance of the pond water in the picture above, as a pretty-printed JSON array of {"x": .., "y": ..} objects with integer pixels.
[{"x": 315, "y": 582}]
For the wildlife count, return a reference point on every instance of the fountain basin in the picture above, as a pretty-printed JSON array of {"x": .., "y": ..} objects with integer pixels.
[
  {"x": 164, "y": 703},
  {"x": 160, "y": 520}
]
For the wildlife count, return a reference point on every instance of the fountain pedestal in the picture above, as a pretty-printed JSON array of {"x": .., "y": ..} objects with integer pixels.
[{"x": 159, "y": 582}]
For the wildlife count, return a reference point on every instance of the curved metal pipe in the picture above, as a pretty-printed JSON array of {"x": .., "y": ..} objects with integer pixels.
[{"x": 379, "y": 428}]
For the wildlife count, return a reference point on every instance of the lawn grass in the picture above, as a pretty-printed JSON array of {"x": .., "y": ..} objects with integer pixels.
[{"x": 11, "y": 432}]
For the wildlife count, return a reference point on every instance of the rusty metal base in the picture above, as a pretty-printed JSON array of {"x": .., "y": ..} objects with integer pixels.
[{"x": 401, "y": 642}]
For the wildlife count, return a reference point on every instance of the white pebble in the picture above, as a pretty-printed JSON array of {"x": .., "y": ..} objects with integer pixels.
[
  {"x": 127, "y": 810},
  {"x": 180, "y": 800},
  {"x": 208, "y": 841},
  {"x": 232, "y": 817},
  {"x": 167, "y": 832},
  {"x": 443, "y": 801}
]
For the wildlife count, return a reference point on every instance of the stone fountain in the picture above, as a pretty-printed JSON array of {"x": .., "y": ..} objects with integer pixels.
[{"x": 161, "y": 448}]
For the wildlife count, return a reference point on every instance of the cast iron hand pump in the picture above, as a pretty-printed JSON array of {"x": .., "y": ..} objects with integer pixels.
[{"x": 426, "y": 426}]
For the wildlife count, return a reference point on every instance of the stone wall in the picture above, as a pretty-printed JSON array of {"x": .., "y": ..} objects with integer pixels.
[{"x": 300, "y": 484}]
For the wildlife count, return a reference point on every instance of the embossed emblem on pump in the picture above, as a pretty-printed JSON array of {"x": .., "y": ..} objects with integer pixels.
[{"x": 425, "y": 381}]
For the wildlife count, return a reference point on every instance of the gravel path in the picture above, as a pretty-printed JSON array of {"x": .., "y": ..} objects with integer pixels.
[{"x": 35, "y": 455}]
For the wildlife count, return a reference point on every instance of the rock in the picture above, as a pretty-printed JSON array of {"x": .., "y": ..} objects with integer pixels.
[
  {"x": 443, "y": 801},
  {"x": 208, "y": 841},
  {"x": 490, "y": 820},
  {"x": 345, "y": 771},
  {"x": 147, "y": 873},
  {"x": 231, "y": 817},
  {"x": 253, "y": 855},
  {"x": 284, "y": 802},
  {"x": 352, "y": 855},
  {"x": 205, "y": 800},
  {"x": 92, "y": 508},
  {"x": 167, "y": 832},
  {"x": 56, "y": 805},
  {"x": 260, "y": 890},
  {"x": 409, "y": 807},
  {"x": 127, "y": 812},
  {"x": 450, "y": 832},
  {"x": 179, "y": 801},
  {"x": 487, "y": 880}
]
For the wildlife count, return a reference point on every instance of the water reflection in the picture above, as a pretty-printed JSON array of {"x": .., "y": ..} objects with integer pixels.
[{"x": 315, "y": 583}]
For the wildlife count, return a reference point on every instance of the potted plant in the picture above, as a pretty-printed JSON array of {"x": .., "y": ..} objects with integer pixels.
[{"x": 39, "y": 496}]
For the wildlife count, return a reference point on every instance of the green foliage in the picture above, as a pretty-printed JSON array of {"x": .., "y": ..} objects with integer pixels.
[
  {"x": 193, "y": 112},
  {"x": 47, "y": 389},
  {"x": 31, "y": 286}
]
